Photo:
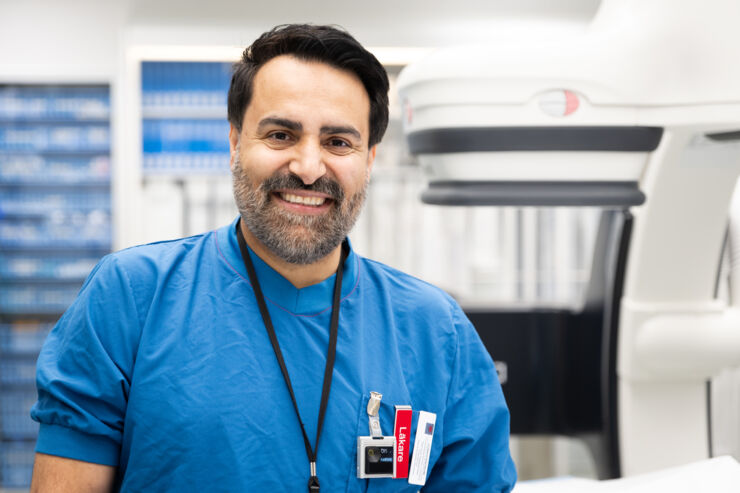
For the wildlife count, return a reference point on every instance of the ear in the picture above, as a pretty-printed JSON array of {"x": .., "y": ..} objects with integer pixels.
[
  {"x": 371, "y": 157},
  {"x": 233, "y": 138}
]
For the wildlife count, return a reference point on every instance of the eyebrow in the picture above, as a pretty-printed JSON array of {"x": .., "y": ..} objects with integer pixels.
[
  {"x": 339, "y": 129},
  {"x": 280, "y": 122},
  {"x": 297, "y": 126}
]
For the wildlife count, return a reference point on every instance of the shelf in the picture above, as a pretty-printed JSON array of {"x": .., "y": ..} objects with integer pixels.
[
  {"x": 44, "y": 213},
  {"x": 55, "y": 224},
  {"x": 185, "y": 162},
  {"x": 15, "y": 411},
  {"x": 184, "y": 173},
  {"x": 45, "y": 268},
  {"x": 57, "y": 152},
  {"x": 50, "y": 319},
  {"x": 16, "y": 464},
  {"x": 31, "y": 280},
  {"x": 41, "y": 299},
  {"x": 22, "y": 339},
  {"x": 41, "y": 120},
  {"x": 58, "y": 247},
  {"x": 56, "y": 311},
  {"x": 22, "y": 215},
  {"x": 52, "y": 182},
  {"x": 33, "y": 202},
  {"x": 17, "y": 370},
  {"x": 185, "y": 113}
]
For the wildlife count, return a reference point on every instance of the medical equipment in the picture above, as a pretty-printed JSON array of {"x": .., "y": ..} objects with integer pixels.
[{"x": 640, "y": 115}]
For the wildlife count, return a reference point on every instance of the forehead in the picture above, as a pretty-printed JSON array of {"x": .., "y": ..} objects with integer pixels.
[{"x": 308, "y": 90}]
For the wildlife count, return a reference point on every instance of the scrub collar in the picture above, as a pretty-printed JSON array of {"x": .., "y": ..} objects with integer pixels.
[{"x": 311, "y": 300}]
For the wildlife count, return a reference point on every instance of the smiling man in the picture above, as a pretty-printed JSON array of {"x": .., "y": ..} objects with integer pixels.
[
  {"x": 301, "y": 162},
  {"x": 267, "y": 355}
]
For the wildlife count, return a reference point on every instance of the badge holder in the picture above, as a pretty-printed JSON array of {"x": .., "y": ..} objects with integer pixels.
[{"x": 375, "y": 453}]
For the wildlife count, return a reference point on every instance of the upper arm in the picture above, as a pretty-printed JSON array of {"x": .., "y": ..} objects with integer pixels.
[
  {"x": 52, "y": 474},
  {"x": 85, "y": 368},
  {"x": 475, "y": 454}
]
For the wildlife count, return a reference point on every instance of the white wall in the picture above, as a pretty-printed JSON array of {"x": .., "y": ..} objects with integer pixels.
[
  {"x": 46, "y": 40},
  {"x": 381, "y": 22},
  {"x": 80, "y": 38}
]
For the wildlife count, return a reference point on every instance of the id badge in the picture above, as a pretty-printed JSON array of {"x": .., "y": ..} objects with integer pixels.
[{"x": 375, "y": 453}]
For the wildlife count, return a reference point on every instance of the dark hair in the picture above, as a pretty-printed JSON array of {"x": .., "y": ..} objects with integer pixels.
[{"x": 326, "y": 44}]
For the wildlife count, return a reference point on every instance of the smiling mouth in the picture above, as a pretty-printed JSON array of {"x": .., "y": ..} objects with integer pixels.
[{"x": 302, "y": 200}]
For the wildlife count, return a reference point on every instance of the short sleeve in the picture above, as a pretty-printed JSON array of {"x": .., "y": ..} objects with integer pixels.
[
  {"x": 475, "y": 454},
  {"x": 83, "y": 374}
]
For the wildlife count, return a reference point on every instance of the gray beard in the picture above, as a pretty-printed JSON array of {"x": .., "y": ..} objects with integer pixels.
[{"x": 295, "y": 238}]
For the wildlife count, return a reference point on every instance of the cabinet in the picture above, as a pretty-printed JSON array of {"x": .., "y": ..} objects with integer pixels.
[
  {"x": 185, "y": 177},
  {"x": 184, "y": 127},
  {"x": 55, "y": 224}
]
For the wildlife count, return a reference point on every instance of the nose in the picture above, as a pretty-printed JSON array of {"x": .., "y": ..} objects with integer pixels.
[{"x": 308, "y": 162}]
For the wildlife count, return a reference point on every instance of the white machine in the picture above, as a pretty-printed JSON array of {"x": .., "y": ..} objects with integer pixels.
[{"x": 639, "y": 114}]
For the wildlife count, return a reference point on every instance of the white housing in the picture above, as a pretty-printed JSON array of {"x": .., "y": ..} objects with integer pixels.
[{"x": 642, "y": 64}]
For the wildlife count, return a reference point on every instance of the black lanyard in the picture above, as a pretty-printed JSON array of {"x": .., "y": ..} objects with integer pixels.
[{"x": 313, "y": 481}]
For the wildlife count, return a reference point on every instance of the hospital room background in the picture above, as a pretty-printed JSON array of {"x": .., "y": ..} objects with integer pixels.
[{"x": 113, "y": 133}]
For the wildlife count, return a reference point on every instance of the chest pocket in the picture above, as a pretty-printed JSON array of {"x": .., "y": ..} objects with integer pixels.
[{"x": 387, "y": 415}]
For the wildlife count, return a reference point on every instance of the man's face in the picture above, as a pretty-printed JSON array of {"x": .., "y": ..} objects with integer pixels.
[{"x": 301, "y": 162}]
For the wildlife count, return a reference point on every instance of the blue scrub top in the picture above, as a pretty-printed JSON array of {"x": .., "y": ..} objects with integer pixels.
[{"x": 163, "y": 368}]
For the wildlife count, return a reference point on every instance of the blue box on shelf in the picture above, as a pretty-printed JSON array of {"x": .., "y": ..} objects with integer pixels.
[
  {"x": 79, "y": 231},
  {"x": 188, "y": 84},
  {"x": 15, "y": 413},
  {"x": 74, "y": 138},
  {"x": 37, "y": 298},
  {"x": 16, "y": 464},
  {"x": 17, "y": 369},
  {"x": 19, "y": 169},
  {"x": 60, "y": 103},
  {"x": 32, "y": 201},
  {"x": 34, "y": 265},
  {"x": 23, "y": 338}
]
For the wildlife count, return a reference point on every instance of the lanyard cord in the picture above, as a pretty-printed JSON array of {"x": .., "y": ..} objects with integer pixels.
[{"x": 313, "y": 482}]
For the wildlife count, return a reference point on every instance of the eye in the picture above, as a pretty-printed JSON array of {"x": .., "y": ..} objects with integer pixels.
[
  {"x": 279, "y": 135},
  {"x": 340, "y": 144}
]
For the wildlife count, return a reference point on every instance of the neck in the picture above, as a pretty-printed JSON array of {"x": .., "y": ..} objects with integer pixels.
[{"x": 299, "y": 275}]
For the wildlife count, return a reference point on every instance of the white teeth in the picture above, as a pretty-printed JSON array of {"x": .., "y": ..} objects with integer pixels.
[{"x": 297, "y": 199}]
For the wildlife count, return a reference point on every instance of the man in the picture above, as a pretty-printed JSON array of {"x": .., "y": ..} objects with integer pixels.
[{"x": 217, "y": 362}]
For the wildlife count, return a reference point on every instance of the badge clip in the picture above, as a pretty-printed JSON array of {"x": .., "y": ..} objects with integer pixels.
[{"x": 375, "y": 453}]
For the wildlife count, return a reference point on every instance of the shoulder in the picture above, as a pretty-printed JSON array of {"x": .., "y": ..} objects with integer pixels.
[
  {"x": 155, "y": 259},
  {"x": 161, "y": 251},
  {"x": 409, "y": 292},
  {"x": 401, "y": 282},
  {"x": 138, "y": 272}
]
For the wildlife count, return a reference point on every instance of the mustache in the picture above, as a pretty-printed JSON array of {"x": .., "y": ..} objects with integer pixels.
[{"x": 323, "y": 185}]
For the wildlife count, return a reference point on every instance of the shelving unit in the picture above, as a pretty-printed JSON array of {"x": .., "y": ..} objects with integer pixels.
[
  {"x": 55, "y": 223},
  {"x": 183, "y": 178},
  {"x": 183, "y": 108}
]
